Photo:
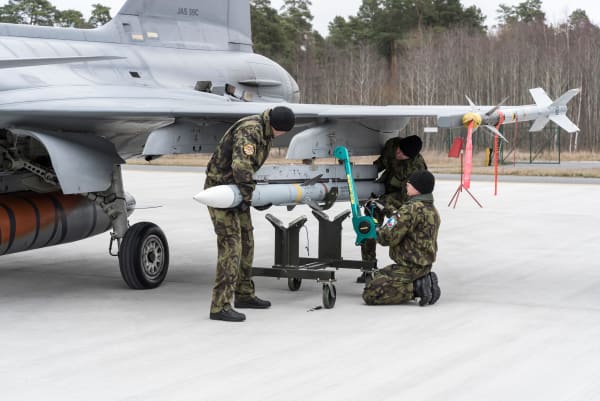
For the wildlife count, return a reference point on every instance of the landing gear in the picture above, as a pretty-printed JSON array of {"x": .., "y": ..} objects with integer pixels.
[
  {"x": 144, "y": 256},
  {"x": 143, "y": 250}
]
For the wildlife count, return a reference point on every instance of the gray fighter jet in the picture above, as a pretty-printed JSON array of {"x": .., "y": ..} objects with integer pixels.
[{"x": 163, "y": 77}]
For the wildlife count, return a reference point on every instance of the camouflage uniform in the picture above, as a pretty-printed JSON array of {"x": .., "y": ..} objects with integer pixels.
[
  {"x": 411, "y": 234},
  {"x": 395, "y": 175},
  {"x": 242, "y": 150}
]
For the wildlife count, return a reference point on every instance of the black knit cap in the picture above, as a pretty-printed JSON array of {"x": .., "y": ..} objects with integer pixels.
[
  {"x": 423, "y": 181},
  {"x": 282, "y": 118},
  {"x": 410, "y": 146}
]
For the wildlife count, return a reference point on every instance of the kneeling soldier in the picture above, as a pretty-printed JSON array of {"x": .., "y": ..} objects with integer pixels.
[{"x": 411, "y": 233}]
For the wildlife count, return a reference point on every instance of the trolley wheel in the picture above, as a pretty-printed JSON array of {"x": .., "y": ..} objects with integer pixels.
[
  {"x": 144, "y": 256},
  {"x": 294, "y": 283},
  {"x": 329, "y": 296},
  {"x": 368, "y": 277}
]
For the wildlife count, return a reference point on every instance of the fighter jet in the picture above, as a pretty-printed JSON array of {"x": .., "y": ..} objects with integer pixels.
[{"x": 167, "y": 77}]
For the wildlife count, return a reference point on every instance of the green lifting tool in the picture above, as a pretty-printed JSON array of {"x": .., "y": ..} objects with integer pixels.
[{"x": 364, "y": 226}]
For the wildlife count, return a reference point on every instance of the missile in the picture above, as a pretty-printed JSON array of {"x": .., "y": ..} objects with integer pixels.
[
  {"x": 543, "y": 111},
  {"x": 229, "y": 196}
]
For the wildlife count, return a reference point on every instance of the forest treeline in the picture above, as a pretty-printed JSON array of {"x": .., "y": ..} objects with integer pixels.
[
  {"x": 436, "y": 52},
  {"x": 416, "y": 52}
]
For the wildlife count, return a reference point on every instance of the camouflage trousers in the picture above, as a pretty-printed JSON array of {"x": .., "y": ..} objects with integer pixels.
[
  {"x": 367, "y": 250},
  {"x": 393, "y": 285},
  {"x": 368, "y": 247},
  {"x": 235, "y": 244}
]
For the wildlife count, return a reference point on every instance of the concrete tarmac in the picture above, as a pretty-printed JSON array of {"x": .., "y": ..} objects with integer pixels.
[{"x": 519, "y": 316}]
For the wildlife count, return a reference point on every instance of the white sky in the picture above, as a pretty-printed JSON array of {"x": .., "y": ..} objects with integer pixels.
[{"x": 325, "y": 10}]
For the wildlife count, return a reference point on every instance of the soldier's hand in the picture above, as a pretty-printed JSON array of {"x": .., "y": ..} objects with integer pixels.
[{"x": 244, "y": 206}]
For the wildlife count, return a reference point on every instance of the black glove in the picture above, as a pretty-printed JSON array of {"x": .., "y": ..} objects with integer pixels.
[
  {"x": 263, "y": 207},
  {"x": 374, "y": 208},
  {"x": 244, "y": 206}
]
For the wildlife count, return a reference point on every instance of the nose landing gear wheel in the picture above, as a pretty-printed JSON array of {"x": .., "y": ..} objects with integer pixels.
[
  {"x": 144, "y": 256},
  {"x": 329, "y": 296}
]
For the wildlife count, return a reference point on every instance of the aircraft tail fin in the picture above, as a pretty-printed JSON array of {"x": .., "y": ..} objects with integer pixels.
[{"x": 202, "y": 24}]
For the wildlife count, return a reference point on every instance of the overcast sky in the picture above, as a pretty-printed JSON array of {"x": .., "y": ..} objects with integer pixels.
[{"x": 325, "y": 10}]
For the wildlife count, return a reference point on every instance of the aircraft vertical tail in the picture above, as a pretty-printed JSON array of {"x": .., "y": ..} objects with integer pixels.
[{"x": 202, "y": 24}]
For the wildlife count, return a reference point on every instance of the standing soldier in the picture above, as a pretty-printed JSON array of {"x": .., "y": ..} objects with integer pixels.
[
  {"x": 399, "y": 159},
  {"x": 411, "y": 233},
  {"x": 242, "y": 150}
]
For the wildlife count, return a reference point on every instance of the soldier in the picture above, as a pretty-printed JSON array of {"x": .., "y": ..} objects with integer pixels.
[
  {"x": 242, "y": 150},
  {"x": 399, "y": 159},
  {"x": 411, "y": 233}
]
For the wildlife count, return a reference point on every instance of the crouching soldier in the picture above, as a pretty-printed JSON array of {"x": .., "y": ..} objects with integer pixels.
[{"x": 411, "y": 233}]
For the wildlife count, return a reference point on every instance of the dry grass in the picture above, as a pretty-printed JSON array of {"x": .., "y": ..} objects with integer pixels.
[{"x": 437, "y": 162}]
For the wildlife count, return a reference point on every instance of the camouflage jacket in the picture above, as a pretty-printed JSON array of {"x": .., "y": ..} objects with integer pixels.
[
  {"x": 396, "y": 173},
  {"x": 412, "y": 232},
  {"x": 242, "y": 150},
  {"x": 395, "y": 178}
]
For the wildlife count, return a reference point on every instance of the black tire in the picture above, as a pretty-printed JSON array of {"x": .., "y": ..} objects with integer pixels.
[
  {"x": 144, "y": 256},
  {"x": 294, "y": 283},
  {"x": 329, "y": 296}
]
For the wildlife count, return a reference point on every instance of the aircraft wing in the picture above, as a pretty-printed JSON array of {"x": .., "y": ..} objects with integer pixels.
[
  {"x": 144, "y": 120},
  {"x": 151, "y": 122},
  {"x": 118, "y": 102}
]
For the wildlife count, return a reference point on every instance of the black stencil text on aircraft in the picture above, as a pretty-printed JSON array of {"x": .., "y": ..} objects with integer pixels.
[{"x": 191, "y": 12}]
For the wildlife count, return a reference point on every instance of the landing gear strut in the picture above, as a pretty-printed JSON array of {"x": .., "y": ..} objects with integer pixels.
[{"x": 143, "y": 250}]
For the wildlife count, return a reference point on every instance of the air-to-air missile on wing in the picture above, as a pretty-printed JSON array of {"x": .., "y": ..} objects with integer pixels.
[{"x": 169, "y": 77}]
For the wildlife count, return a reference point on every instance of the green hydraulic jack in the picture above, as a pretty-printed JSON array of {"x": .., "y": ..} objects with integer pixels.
[{"x": 364, "y": 226}]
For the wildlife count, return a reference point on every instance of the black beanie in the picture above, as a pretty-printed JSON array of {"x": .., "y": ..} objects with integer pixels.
[
  {"x": 423, "y": 181},
  {"x": 411, "y": 145},
  {"x": 282, "y": 118}
]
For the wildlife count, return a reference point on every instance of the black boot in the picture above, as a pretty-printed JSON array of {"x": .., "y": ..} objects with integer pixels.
[
  {"x": 362, "y": 279},
  {"x": 228, "y": 315},
  {"x": 251, "y": 302},
  {"x": 435, "y": 288},
  {"x": 422, "y": 290}
]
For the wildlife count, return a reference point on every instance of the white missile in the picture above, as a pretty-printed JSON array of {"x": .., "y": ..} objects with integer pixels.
[
  {"x": 228, "y": 196},
  {"x": 541, "y": 113},
  {"x": 220, "y": 197}
]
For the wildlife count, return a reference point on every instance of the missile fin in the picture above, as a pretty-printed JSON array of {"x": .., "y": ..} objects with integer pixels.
[
  {"x": 566, "y": 97},
  {"x": 493, "y": 130},
  {"x": 540, "y": 97},
  {"x": 471, "y": 103},
  {"x": 314, "y": 205},
  {"x": 563, "y": 121},
  {"x": 539, "y": 124},
  {"x": 496, "y": 107}
]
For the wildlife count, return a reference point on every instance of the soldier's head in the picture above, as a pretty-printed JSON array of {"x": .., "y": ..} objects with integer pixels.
[
  {"x": 408, "y": 147},
  {"x": 282, "y": 120},
  {"x": 420, "y": 182}
]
